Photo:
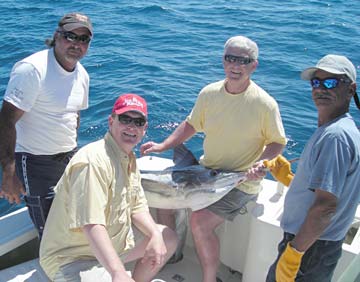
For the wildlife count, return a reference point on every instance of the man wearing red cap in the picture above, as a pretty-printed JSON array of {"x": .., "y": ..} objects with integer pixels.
[
  {"x": 99, "y": 200},
  {"x": 40, "y": 116}
]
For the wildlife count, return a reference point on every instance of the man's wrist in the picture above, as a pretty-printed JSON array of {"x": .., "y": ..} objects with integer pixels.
[
  {"x": 8, "y": 167},
  {"x": 291, "y": 244}
]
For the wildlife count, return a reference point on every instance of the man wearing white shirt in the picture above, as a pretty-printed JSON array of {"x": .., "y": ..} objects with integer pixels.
[{"x": 40, "y": 116}]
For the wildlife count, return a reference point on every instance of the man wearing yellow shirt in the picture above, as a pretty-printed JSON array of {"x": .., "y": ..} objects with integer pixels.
[
  {"x": 99, "y": 202},
  {"x": 242, "y": 127}
]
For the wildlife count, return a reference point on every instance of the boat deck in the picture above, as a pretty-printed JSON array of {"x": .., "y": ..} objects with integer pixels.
[
  {"x": 186, "y": 270},
  {"x": 29, "y": 271},
  {"x": 248, "y": 245}
]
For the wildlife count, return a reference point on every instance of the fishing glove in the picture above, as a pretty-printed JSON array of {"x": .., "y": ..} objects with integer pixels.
[
  {"x": 288, "y": 265},
  {"x": 280, "y": 168}
]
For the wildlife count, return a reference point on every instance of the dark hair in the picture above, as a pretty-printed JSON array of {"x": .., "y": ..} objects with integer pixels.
[
  {"x": 357, "y": 102},
  {"x": 50, "y": 42}
]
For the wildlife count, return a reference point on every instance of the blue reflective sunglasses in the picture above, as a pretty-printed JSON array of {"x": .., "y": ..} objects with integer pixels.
[
  {"x": 327, "y": 83},
  {"x": 237, "y": 59},
  {"x": 72, "y": 37}
]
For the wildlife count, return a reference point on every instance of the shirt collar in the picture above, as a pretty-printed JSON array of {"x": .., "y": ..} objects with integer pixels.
[{"x": 110, "y": 142}]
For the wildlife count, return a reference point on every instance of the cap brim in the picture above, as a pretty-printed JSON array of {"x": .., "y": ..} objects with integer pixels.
[
  {"x": 72, "y": 26},
  {"x": 308, "y": 73}
]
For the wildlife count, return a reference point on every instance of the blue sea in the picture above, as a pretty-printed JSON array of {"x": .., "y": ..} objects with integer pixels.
[{"x": 167, "y": 51}]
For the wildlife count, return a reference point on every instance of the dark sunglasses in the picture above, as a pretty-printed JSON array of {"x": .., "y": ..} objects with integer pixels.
[
  {"x": 125, "y": 119},
  {"x": 236, "y": 59},
  {"x": 72, "y": 37},
  {"x": 328, "y": 83}
]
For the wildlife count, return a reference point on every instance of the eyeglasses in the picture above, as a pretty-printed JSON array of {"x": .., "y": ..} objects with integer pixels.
[
  {"x": 328, "y": 83},
  {"x": 125, "y": 119},
  {"x": 240, "y": 60},
  {"x": 72, "y": 37}
]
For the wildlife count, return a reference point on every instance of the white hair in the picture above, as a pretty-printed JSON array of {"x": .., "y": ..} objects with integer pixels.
[{"x": 243, "y": 43}]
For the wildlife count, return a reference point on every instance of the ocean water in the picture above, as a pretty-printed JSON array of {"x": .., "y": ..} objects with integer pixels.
[{"x": 167, "y": 51}]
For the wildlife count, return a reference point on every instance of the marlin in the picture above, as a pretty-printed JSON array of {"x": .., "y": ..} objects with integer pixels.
[
  {"x": 184, "y": 184},
  {"x": 187, "y": 184}
]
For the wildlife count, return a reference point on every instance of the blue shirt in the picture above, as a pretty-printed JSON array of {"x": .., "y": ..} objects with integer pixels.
[{"x": 330, "y": 162}]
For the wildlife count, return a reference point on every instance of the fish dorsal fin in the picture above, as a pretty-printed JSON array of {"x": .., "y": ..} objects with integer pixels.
[{"x": 183, "y": 157}]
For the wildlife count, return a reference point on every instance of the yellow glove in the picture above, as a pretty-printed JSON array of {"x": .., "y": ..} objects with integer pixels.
[
  {"x": 288, "y": 265},
  {"x": 280, "y": 168}
]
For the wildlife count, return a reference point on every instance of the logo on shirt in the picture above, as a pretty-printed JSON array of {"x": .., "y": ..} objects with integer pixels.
[{"x": 17, "y": 93}]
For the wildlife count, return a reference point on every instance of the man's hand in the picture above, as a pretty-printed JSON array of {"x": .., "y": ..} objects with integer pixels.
[
  {"x": 280, "y": 168},
  {"x": 11, "y": 187},
  {"x": 256, "y": 172},
  {"x": 155, "y": 251},
  {"x": 288, "y": 265},
  {"x": 151, "y": 147}
]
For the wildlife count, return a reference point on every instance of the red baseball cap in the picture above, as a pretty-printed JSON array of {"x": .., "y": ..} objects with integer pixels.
[{"x": 130, "y": 103}]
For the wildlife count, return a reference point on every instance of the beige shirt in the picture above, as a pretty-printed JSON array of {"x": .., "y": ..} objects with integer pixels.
[
  {"x": 101, "y": 185},
  {"x": 237, "y": 127}
]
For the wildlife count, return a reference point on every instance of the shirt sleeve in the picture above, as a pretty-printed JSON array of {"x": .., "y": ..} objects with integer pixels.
[
  {"x": 23, "y": 87},
  {"x": 274, "y": 129},
  {"x": 89, "y": 190}
]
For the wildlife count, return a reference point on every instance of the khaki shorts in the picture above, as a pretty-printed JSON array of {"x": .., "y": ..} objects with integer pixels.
[
  {"x": 84, "y": 270},
  {"x": 232, "y": 204},
  {"x": 90, "y": 270}
]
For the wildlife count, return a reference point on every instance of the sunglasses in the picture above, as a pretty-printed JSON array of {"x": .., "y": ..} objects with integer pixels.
[
  {"x": 72, "y": 37},
  {"x": 236, "y": 59},
  {"x": 327, "y": 83},
  {"x": 125, "y": 119}
]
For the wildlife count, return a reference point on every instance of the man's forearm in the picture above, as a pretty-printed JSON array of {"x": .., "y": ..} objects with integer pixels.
[
  {"x": 102, "y": 247},
  {"x": 7, "y": 144},
  {"x": 9, "y": 115},
  {"x": 271, "y": 151},
  {"x": 11, "y": 186},
  {"x": 316, "y": 221},
  {"x": 183, "y": 132},
  {"x": 145, "y": 223}
]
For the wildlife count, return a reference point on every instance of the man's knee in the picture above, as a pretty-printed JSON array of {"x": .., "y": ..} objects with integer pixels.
[{"x": 200, "y": 220}]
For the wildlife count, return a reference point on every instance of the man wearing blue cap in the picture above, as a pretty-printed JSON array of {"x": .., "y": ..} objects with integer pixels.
[{"x": 324, "y": 193}]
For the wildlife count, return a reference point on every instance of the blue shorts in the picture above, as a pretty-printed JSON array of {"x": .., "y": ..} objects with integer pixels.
[
  {"x": 39, "y": 175},
  {"x": 317, "y": 264},
  {"x": 232, "y": 204}
]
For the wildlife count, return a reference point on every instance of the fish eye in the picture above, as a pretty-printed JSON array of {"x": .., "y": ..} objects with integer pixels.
[{"x": 213, "y": 172}]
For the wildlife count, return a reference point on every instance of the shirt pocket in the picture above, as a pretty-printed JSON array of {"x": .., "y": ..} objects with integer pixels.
[{"x": 119, "y": 207}]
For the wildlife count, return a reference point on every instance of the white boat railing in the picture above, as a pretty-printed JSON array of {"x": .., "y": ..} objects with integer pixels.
[{"x": 16, "y": 229}]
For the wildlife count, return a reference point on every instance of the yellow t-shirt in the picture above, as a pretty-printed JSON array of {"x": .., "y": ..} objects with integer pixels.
[
  {"x": 237, "y": 127},
  {"x": 100, "y": 185}
]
